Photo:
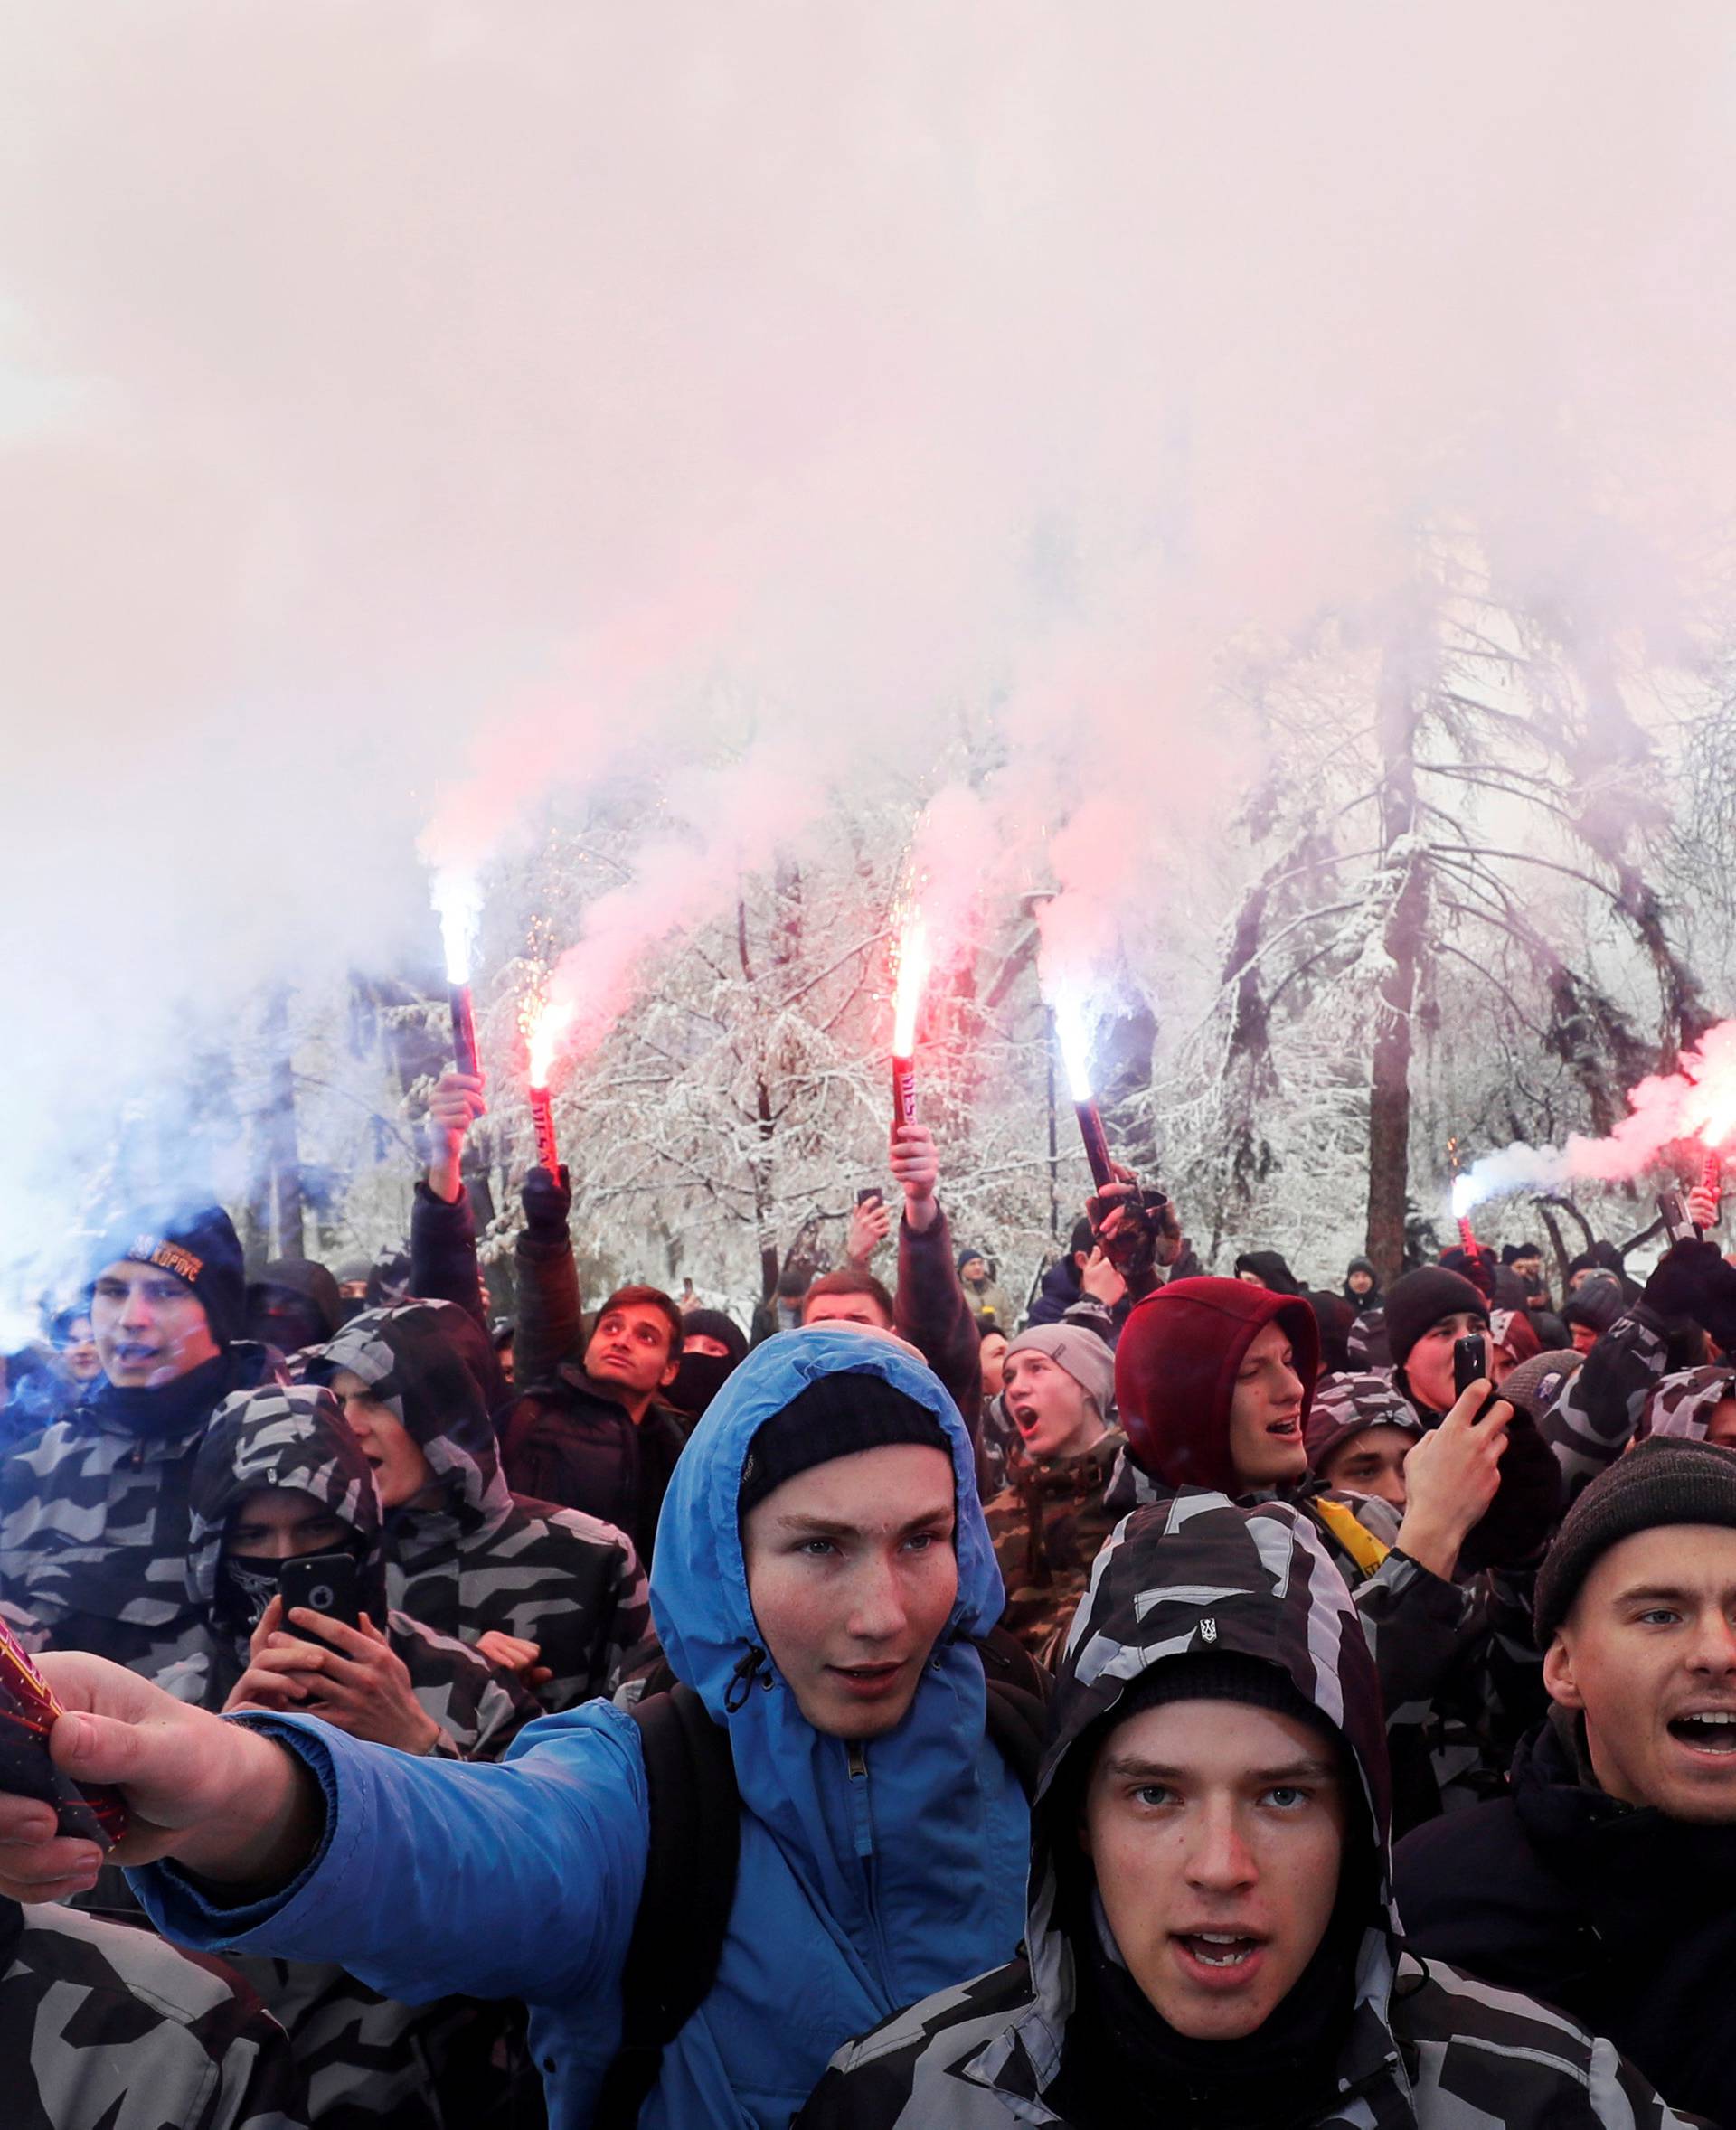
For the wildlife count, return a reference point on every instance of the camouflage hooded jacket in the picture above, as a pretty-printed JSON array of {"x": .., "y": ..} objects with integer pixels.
[
  {"x": 104, "y": 2026},
  {"x": 93, "y": 1516},
  {"x": 295, "y": 1437},
  {"x": 478, "y": 1559},
  {"x": 1423, "y": 2047}
]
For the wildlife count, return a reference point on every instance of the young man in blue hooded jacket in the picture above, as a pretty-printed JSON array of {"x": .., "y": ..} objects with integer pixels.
[{"x": 823, "y": 1570}]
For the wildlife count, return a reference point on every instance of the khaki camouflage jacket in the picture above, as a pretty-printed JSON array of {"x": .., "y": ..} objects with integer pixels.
[{"x": 1048, "y": 1522}]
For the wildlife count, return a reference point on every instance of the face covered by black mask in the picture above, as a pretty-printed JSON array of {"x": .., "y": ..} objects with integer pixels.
[
  {"x": 698, "y": 1377},
  {"x": 247, "y": 1585},
  {"x": 244, "y": 1590}
]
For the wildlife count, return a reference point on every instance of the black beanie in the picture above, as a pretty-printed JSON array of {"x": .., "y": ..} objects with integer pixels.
[
  {"x": 835, "y": 1417},
  {"x": 1200, "y": 1676},
  {"x": 201, "y": 1249},
  {"x": 1423, "y": 1298},
  {"x": 1660, "y": 1481}
]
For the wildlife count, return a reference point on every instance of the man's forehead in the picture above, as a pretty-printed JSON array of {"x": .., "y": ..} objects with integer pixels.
[{"x": 1688, "y": 1557}]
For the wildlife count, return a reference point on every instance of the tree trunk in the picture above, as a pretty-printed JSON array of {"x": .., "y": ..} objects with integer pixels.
[{"x": 1389, "y": 1090}]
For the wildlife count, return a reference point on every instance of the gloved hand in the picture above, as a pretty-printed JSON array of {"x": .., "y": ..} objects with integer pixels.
[
  {"x": 548, "y": 1202},
  {"x": 1477, "y": 1266},
  {"x": 1693, "y": 1280}
]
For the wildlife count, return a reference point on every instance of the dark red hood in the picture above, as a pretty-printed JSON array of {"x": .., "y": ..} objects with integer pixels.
[{"x": 1175, "y": 1373}]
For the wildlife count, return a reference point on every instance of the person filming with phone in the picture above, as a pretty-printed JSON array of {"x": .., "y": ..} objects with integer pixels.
[{"x": 287, "y": 1571}]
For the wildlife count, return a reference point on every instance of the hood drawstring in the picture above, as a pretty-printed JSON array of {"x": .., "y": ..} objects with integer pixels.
[{"x": 742, "y": 1680}]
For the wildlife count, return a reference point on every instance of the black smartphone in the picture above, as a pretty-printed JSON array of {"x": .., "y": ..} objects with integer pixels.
[
  {"x": 1676, "y": 1223},
  {"x": 328, "y": 1583},
  {"x": 871, "y": 1195},
  {"x": 1470, "y": 1362}
]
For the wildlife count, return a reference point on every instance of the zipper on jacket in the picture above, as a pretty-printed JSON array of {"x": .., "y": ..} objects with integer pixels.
[{"x": 862, "y": 1827}]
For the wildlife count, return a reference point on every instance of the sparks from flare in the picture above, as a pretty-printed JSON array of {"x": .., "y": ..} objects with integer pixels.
[
  {"x": 543, "y": 1021},
  {"x": 1072, "y": 1032},
  {"x": 457, "y": 903},
  {"x": 911, "y": 964}
]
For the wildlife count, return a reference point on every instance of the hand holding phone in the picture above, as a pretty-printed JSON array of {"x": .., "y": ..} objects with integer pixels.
[{"x": 326, "y": 1583}]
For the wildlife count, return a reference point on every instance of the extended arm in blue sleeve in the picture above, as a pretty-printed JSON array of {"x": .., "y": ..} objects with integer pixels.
[{"x": 441, "y": 1877}]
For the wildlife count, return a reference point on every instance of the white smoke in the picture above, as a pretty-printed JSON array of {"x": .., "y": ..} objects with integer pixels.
[{"x": 413, "y": 408}]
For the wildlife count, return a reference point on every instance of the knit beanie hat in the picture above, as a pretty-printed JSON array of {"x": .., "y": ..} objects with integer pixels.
[
  {"x": 1084, "y": 1356},
  {"x": 200, "y": 1249},
  {"x": 1421, "y": 1299},
  {"x": 1658, "y": 1482},
  {"x": 1347, "y": 1405},
  {"x": 1230, "y": 1677},
  {"x": 1535, "y": 1384},
  {"x": 1597, "y": 1302},
  {"x": 835, "y": 1417},
  {"x": 1175, "y": 1373}
]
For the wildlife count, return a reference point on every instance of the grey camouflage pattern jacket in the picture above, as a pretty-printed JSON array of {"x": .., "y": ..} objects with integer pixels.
[
  {"x": 1426, "y": 2049},
  {"x": 479, "y": 1558},
  {"x": 295, "y": 1437},
  {"x": 94, "y": 1517},
  {"x": 103, "y": 2027},
  {"x": 367, "y": 2060}
]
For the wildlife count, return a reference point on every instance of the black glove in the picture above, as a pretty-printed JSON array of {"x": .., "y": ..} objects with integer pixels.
[
  {"x": 548, "y": 1202},
  {"x": 1693, "y": 1280}
]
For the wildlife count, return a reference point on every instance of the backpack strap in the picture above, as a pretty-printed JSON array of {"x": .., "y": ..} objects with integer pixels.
[
  {"x": 696, "y": 1850},
  {"x": 683, "y": 1912}
]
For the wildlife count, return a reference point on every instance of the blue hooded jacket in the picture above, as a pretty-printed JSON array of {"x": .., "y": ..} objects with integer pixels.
[{"x": 857, "y": 1894}]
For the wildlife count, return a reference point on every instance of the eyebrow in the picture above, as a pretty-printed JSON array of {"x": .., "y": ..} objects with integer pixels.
[
  {"x": 826, "y": 1527},
  {"x": 1158, "y": 1771},
  {"x": 1651, "y": 1593}
]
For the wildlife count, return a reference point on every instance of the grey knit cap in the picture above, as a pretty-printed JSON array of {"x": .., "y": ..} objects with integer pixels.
[
  {"x": 1535, "y": 1384},
  {"x": 1084, "y": 1356},
  {"x": 1658, "y": 1482}
]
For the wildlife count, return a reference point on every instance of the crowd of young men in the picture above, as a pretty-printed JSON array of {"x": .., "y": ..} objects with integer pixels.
[{"x": 1016, "y": 1725}]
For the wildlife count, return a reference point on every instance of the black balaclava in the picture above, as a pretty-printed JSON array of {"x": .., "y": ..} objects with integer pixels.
[{"x": 698, "y": 1377}]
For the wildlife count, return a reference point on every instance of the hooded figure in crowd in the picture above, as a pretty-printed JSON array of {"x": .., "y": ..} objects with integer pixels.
[
  {"x": 1360, "y": 1432},
  {"x": 1210, "y": 1938},
  {"x": 1268, "y": 1269},
  {"x": 294, "y": 1303},
  {"x": 1216, "y": 1381},
  {"x": 1050, "y": 1518},
  {"x": 883, "y": 1836},
  {"x": 390, "y": 2063},
  {"x": 292, "y": 1441},
  {"x": 93, "y": 1515},
  {"x": 463, "y": 1556},
  {"x": 1606, "y": 1877}
]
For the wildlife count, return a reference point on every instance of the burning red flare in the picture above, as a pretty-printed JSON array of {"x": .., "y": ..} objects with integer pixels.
[
  {"x": 544, "y": 1021},
  {"x": 911, "y": 963}
]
